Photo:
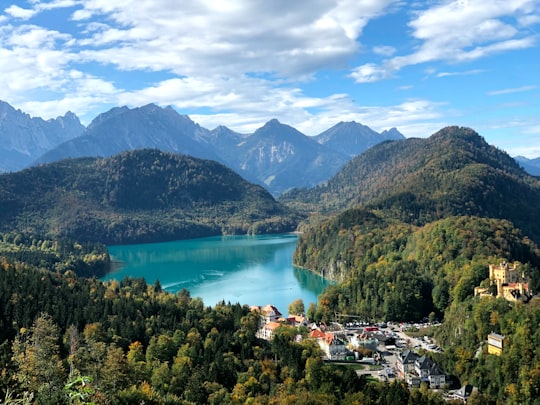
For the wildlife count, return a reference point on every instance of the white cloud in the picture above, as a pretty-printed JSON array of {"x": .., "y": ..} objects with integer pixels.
[
  {"x": 238, "y": 58},
  {"x": 463, "y": 73},
  {"x": 384, "y": 50},
  {"x": 30, "y": 60},
  {"x": 529, "y": 19},
  {"x": 459, "y": 31},
  {"x": 19, "y": 12},
  {"x": 370, "y": 72},
  {"x": 512, "y": 90},
  {"x": 32, "y": 37},
  {"x": 278, "y": 37},
  {"x": 484, "y": 51},
  {"x": 38, "y": 6}
]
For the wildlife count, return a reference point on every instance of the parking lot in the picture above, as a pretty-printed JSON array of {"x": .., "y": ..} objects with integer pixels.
[{"x": 386, "y": 369}]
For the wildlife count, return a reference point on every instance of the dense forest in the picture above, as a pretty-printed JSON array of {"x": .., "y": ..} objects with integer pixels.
[
  {"x": 453, "y": 172},
  {"x": 137, "y": 196},
  {"x": 66, "y": 339},
  {"x": 397, "y": 272},
  {"x": 90, "y": 259}
]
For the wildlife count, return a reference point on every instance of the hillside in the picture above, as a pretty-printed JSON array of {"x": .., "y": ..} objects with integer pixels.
[
  {"x": 453, "y": 172},
  {"x": 390, "y": 270},
  {"x": 138, "y": 196},
  {"x": 415, "y": 225},
  {"x": 484, "y": 202}
]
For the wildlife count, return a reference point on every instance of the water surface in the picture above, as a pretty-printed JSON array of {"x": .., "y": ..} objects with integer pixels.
[{"x": 252, "y": 270}]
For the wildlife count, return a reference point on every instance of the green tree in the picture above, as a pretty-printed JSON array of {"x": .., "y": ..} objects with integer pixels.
[
  {"x": 114, "y": 371},
  {"x": 36, "y": 354},
  {"x": 296, "y": 307},
  {"x": 311, "y": 311}
]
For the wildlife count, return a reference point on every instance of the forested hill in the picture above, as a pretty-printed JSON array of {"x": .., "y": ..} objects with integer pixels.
[
  {"x": 429, "y": 217},
  {"x": 453, "y": 172},
  {"x": 137, "y": 196}
]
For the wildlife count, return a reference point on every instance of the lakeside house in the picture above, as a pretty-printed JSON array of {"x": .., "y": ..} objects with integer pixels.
[
  {"x": 270, "y": 313},
  {"x": 333, "y": 345},
  {"x": 271, "y": 318},
  {"x": 429, "y": 372},
  {"x": 298, "y": 320},
  {"x": 268, "y": 330},
  {"x": 405, "y": 363},
  {"x": 361, "y": 340}
]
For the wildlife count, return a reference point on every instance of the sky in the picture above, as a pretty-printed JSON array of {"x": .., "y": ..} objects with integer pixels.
[{"x": 415, "y": 65}]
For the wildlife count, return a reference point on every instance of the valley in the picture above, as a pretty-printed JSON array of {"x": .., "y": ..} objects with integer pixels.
[{"x": 405, "y": 231}]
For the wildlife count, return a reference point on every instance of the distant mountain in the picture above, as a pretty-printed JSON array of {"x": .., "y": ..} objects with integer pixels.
[
  {"x": 122, "y": 129},
  {"x": 137, "y": 196},
  {"x": 225, "y": 142},
  {"x": 23, "y": 138},
  {"x": 531, "y": 166},
  {"x": 352, "y": 138},
  {"x": 281, "y": 157},
  {"x": 276, "y": 156},
  {"x": 453, "y": 172}
]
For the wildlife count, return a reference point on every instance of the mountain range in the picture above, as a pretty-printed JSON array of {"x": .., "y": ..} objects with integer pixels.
[
  {"x": 531, "y": 166},
  {"x": 24, "y": 139},
  {"x": 276, "y": 155}
]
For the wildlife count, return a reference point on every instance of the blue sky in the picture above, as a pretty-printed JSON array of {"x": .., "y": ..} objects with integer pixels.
[{"x": 414, "y": 65}]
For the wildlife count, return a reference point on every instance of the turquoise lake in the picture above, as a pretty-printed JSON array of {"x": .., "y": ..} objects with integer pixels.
[{"x": 252, "y": 270}]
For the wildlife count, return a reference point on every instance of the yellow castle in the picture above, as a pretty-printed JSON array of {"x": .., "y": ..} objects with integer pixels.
[{"x": 509, "y": 281}]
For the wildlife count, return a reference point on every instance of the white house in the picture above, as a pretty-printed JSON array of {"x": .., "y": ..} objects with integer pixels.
[
  {"x": 334, "y": 347},
  {"x": 267, "y": 331}
]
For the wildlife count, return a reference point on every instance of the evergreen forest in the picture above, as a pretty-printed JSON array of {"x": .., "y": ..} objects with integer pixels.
[{"x": 136, "y": 197}]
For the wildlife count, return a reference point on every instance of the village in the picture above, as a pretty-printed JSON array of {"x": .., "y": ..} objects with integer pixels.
[
  {"x": 385, "y": 349},
  {"x": 385, "y": 345}
]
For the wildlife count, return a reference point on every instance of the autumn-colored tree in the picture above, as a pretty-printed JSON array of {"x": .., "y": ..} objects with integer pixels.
[
  {"x": 36, "y": 354},
  {"x": 296, "y": 307}
]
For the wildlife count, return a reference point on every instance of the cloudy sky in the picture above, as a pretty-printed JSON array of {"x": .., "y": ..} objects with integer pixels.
[{"x": 414, "y": 65}]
